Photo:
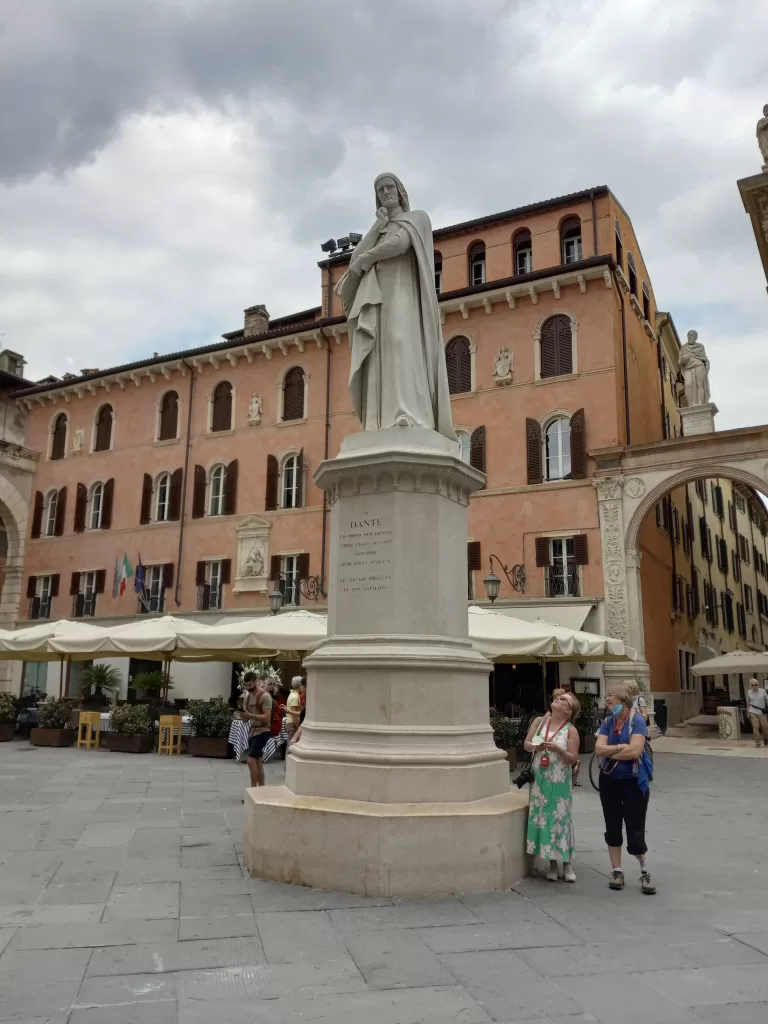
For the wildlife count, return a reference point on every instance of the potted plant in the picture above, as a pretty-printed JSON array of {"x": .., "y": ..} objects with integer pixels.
[
  {"x": 54, "y": 724},
  {"x": 505, "y": 736},
  {"x": 587, "y": 722},
  {"x": 8, "y": 712},
  {"x": 96, "y": 684},
  {"x": 130, "y": 730},
  {"x": 149, "y": 686},
  {"x": 211, "y": 721}
]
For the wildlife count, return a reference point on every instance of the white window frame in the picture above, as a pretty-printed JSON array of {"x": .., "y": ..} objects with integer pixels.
[
  {"x": 524, "y": 252},
  {"x": 213, "y": 572},
  {"x": 464, "y": 438},
  {"x": 43, "y": 585},
  {"x": 153, "y": 586},
  {"x": 162, "y": 491},
  {"x": 564, "y": 560},
  {"x": 572, "y": 250},
  {"x": 289, "y": 567},
  {"x": 50, "y": 509},
  {"x": 477, "y": 269},
  {"x": 749, "y": 604},
  {"x": 290, "y": 481},
  {"x": 215, "y": 491},
  {"x": 557, "y": 311},
  {"x": 95, "y": 505},
  {"x": 564, "y": 455},
  {"x": 439, "y": 278},
  {"x": 87, "y": 589}
]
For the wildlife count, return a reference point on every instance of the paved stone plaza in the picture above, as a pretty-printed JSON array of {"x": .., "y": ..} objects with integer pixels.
[{"x": 123, "y": 899}]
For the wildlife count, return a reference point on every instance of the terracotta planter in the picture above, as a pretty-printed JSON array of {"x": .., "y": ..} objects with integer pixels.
[
  {"x": 6, "y": 731},
  {"x": 52, "y": 737},
  {"x": 208, "y": 746},
  {"x": 138, "y": 743}
]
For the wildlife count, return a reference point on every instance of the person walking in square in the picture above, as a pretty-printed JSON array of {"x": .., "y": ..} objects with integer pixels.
[
  {"x": 257, "y": 709},
  {"x": 757, "y": 706},
  {"x": 624, "y": 782},
  {"x": 293, "y": 707},
  {"x": 554, "y": 742}
]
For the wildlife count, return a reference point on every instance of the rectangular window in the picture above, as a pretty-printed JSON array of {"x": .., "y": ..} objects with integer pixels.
[
  {"x": 685, "y": 664},
  {"x": 84, "y": 602},
  {"x": 40, "y": 607},
  {"x": 717, "y": 501},
  {"x": 289, "y": 567},
  {"x": 438, "y": 278},
  {"x": 677, "y": 593},
  {"x": 736, "y": 564},
  {"x": 562, "y": 574},
  {"x": 748, "y": 598},
  {"x": 744, "y": 549},
  {"x": 741, "y": 505},
  {"x": 676, "y": 524},
  {"x": 572, "y": 249},
  {"x": 662, "y": 515},
  {"x": 524, "y": 261},
  {"x": 152, "y": 597},
  {"x": 701, "y": 490}
]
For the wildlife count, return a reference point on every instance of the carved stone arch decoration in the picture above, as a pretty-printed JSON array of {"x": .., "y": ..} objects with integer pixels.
[
  {"x": 555, "y": 414},
  {"x": 557, "y": 311}
]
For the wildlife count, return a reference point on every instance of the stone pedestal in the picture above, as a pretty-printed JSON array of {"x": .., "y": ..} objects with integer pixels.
[
  {"x": 396, "y": 786},
  {"x": 698, "y": 419}
]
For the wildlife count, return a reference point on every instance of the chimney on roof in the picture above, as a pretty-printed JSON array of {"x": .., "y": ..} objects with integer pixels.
[
  {"x": 87, "y": 370},
  {"x": 256, "y": 321}
]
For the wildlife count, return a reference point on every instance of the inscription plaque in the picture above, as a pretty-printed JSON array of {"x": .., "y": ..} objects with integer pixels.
[{"x": 365, "y": 554}]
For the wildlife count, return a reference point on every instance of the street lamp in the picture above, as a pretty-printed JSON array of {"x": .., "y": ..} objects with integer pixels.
[
  {"x": 515, "y": 575},
  {"x": 492, "y": 584},
  {"x": 276, "y": 599}
]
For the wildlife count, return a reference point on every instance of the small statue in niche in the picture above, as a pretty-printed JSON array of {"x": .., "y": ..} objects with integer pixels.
[
  {"x": 254, "y": 411},
  {"x": 502, "y": 371},
  {"x": 78, "y": 440},
  {"x": 254, "y": 563},
  {"x": 762, "y": 136}
]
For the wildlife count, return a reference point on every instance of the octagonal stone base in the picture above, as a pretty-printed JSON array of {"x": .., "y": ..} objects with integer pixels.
[{"x": 386, "y": 849}]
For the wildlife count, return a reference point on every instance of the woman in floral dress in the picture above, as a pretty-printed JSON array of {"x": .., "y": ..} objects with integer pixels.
[{"x": 554, "y": 742}]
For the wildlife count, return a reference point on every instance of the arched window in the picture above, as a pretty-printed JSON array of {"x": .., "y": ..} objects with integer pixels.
[
  {"x": 95, "y": 506},
  {"x": 293, "y": 394},
  {"x": 163, "y": 498},
  {"x": 221, "y": 406},
  {"x": 59, "y": 437},
  {"x": 556, "y": 346},
  {"x": 465, "y": 445},
  {"x": 169, "y": 417},
  {"x": 458, "y": 361},
  {"x": 570, "y": 233},
  {"x": 438, "y": 271},
  {"x": 477, "y": 264},
  {"x": 619, "y": 246},
  {"x": 49, "y": 515},
  {"x": 646, "y": 303},
  {"x": 632, "y": 274},
  {"x": 216, "y": 491},
  {"x": 523, "y": 250},
  {"x": 292, "y": 472},
  {"x": 104, "y": 418},
  {"x": 557, "y": 449}
]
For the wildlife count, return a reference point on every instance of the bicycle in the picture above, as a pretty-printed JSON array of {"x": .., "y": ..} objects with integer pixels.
[{"x": 594, "y": 771}]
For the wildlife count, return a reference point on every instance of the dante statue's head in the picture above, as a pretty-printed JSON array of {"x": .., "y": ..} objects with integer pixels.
[
  {"x": 692, "y": 336},
  {"x": 765, "y": 110},
  {"x": 390, "y": 192}
]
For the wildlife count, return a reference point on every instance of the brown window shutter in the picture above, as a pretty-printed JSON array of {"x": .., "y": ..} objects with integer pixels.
[
  {"x": 81, "y": 502},
  {"x": 542, "y": 551},
  {"x": 226, "y": 570},
  {"x": 474, "y": 557},
  {"x": 303, "y": 565},
  {"x": 169, "y": 416},
  {"x": 273, "y": 472},
  {"x": 293, "y": 394},
  {"x": 104, "y": 429},
  {"x": 55, "y": 584},
  {"x": 146, "y": 500},
  {"x": 74, "y": 584},
  {"x": 580, "y": 549},
  {"x": 533, "y": 451},
  {"x": 230, "y": 489},
  {"x": 300, "y": 479},
  {"x": 458, "y": 361},
  {"x": 168, "y": 575},
  {"x": 200, "y": 570},
  {"x": 59, "y": 438},
  {"x": 477, "y": 449},
  {"x": 578, "y": 446},
  {"x": 37, "y": 515},
  {"x": 109, "y": 499},
  {"x": 275, "y": 566},
  {"x": 221, "y": 413},
  {"x": 564, "y": 345},
  {"x": 198, "y": 493},
  {"x": 31, "y": 586},
  {"x": 101, "y": 580},
  {"x": 61, "y": 512},
  {"x": 549, "y": 348},
  {"x": 451, "y": 368},
  {"x": 174, "y": 500}
]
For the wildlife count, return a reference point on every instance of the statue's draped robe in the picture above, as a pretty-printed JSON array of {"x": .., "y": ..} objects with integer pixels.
[
  {"x": 398, "y": 374},
  {"x": 695, "y": 367}
]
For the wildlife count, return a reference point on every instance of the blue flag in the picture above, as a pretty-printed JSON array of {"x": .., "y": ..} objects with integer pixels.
[{"x": 139, "y": 583}]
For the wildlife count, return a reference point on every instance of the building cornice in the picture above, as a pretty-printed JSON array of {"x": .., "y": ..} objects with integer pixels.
[{"x": 754, "y": 195}]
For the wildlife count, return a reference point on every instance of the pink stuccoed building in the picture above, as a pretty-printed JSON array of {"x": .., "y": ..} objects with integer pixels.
[{"x": 200, "y": 463}]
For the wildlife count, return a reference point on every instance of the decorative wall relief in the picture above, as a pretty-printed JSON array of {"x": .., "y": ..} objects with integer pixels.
[
  {"x": 614, "y": 564},
  {"x": 252, "y": 556},
  {"x": 255, "y": 410},
  {"x": 78, "y": 441},
  {"x": 503, "y": 367}
]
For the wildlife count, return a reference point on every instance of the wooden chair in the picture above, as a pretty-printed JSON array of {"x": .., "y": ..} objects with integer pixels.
[
  {"x": 89, "y": 730},
  {"x": 169, "y": 735}
]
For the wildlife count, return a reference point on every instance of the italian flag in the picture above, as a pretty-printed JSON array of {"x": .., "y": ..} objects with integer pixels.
[{"x": 125, "y": 574}]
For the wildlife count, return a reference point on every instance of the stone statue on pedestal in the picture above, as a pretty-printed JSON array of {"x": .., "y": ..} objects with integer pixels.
[
  {"x": 762, "y": 136},
  {"x": 398, "y": 375},
  {"x": 695, "y": 367}
]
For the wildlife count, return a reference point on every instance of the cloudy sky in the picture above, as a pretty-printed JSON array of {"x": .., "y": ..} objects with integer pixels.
[{"x": 165, "y": 163}]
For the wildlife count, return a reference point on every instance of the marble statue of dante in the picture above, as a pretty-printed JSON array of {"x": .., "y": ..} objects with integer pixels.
[
  {"x": 762, "y": 136},
  {"x": 695, "y": 367},
  {"x": 398, "y": 375}
]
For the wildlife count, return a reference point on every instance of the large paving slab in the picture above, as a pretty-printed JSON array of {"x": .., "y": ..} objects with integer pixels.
[{"x": 123, "y": 899}]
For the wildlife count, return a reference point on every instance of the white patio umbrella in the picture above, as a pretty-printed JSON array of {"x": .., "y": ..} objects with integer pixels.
[
  {"x": 144, "y": 638},
  {"x": 735, "y": 661},
  {"x": 38, "y": 642},
  {"x": 506, "y": 639},
  {"x": 264, "y": 635},
  {"x": 593, "y": 646}
]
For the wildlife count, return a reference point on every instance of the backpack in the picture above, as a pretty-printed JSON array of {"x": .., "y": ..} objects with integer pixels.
[{"x": 647, "y": 752}]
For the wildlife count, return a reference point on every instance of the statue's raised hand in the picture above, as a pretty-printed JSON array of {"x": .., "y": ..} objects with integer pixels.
[{"x": 382, "y": 219}]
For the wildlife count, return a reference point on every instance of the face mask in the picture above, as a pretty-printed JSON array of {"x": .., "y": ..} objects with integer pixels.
[{"x": 616, "y": 710}]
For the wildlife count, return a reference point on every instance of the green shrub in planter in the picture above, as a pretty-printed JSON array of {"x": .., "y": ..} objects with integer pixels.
[
  {"x": 210, "y": 718},
  {"x": 55, "y": 713},
  {"x": 504, "y": 730},
  {"x": 130, "y": 719},
  {"x": 8, "y": 708},
  {"x": 149, "y": 682},
  {"x": 98, "y": 681}
]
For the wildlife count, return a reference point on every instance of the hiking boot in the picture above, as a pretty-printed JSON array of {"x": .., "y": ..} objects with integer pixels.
[
  {"x": 569, "y": 875},
  {"x": 646, "y": 885},
  {"x": 617, "y": 879}
]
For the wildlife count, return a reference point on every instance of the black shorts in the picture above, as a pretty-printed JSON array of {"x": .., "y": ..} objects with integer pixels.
[{"x": 257, "y": 744}]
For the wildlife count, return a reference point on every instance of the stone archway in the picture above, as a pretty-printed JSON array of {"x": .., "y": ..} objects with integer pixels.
[
  {"x": 629, "y": 482},
  {"x": 16, "y": 469}
]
